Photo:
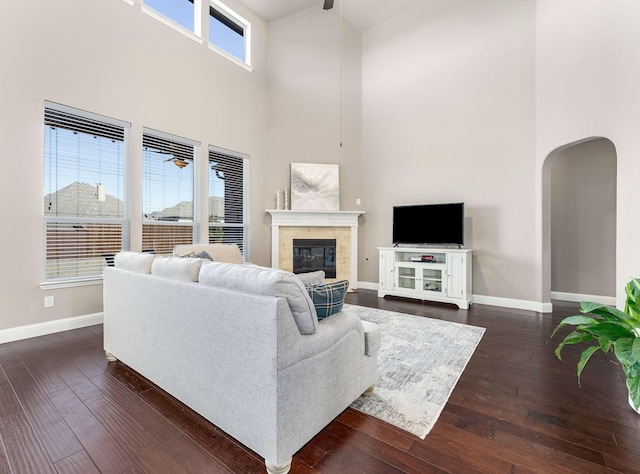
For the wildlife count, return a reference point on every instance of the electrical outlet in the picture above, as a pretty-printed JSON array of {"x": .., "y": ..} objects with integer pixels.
[{"x": 49, "y": 301}]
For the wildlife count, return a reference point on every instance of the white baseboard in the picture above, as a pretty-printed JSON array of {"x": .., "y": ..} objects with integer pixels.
[
  {"x": 577, "y": 297},
  {"x": 49, "y": 327},
  {"x": 367, "y": 285},
  {"x": 489, "y": 300},
  {"x": 513, "y": 303}
]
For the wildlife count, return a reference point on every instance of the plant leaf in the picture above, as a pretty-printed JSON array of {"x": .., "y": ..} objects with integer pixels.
[
  {"x": 633, "y": 384},
  {"x": 584, "y": 358},
  {"x": 572, "y": 338},
  {"x": 606, "y": 312},
  {"x": 575, "y": 321},
  {"x": 632, "y": 303},
  {"x": 605, "y": 344},
  {"x": 608, "y": 330},
  {"x": 623, "y": 349},
  {"x": 632, "y": 371}
]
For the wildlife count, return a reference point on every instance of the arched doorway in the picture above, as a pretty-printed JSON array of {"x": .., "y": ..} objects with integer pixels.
[{"x": 579, "y": 221}]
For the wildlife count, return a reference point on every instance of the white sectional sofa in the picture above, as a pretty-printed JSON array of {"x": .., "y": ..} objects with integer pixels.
[{"x": 239, "y": 344}]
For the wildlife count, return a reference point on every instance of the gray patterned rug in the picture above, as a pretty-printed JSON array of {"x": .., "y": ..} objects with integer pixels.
[{"x": 419, "y": 363}]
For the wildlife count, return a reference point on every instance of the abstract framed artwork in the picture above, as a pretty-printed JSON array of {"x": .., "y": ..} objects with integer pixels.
[{"x": 315, "y": 187}]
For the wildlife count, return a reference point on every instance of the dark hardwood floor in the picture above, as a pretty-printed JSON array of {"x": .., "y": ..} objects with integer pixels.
[{"x": 516, "y": 409}]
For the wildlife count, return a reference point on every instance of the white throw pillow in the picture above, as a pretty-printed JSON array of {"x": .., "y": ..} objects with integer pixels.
[
  {"x": 177, "y": 268},
  {"x": 134, "y": 261}
]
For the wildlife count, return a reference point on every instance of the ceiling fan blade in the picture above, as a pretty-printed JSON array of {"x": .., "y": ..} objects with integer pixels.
[{"x": 328, "y": 4}]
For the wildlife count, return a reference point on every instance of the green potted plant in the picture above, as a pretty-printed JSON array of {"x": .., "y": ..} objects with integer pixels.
[{"x": 609, "y": 329}]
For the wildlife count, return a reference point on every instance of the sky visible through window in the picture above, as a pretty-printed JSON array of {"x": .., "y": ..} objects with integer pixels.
[
  {"x": 164, "y": 184},
  {"x": 182, "y": 12},
  {"x": 76, "y": 157}
]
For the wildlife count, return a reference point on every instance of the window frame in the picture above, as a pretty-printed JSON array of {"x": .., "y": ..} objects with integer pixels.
[
  {"x": 246, "y": 198},
  {"x": 124, "y": 221},
  {"x": 241, "y": 22}
]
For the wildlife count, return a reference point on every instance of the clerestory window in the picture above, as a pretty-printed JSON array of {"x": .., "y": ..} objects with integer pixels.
[
  {"x": 229, "y": 32},
  {"x": 184, "y": 13}
]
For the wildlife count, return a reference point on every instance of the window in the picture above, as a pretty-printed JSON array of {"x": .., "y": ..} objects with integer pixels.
[
  {"x": 229, "y": 32},
  {"x": 185, "y": 13},
  {"x": 167, "y": 191},
  {"x": 84, "y": 211},
  {"x": 228, "y": 198}
]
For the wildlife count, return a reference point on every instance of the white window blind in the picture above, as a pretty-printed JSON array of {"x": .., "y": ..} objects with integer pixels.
[
  {"x": 228, "y": 199},
  {"x": 84, "y": 212},
  {"x": 168, "y": 191}
]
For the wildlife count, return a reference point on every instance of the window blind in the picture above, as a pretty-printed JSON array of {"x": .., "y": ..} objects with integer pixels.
[
  {"x": 228, "y": 182},
  {"x": 168, "y": 191},
  {"x": 84, "y": 156}
]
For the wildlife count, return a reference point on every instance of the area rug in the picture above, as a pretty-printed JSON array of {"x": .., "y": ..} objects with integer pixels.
[{"x": 419, "y": 363}]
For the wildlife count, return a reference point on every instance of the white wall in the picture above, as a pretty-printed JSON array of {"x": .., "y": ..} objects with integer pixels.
[
  {"x": 449, "y": 115},
  {"x": 314, "y": 98},
  {"x": 587, "y": 75},
  {"x": 109, "y": 58},
  {"x": 583, "y": 219}
]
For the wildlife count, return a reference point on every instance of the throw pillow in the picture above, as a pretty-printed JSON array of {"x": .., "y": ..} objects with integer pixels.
[
  {"x": 175, "y": 268},
  {"x": 204, "y": 254},
  {"x": 328, "y": 298},
  {"x": 312, "y": 278},
  {"x": 134, "y": 261}
]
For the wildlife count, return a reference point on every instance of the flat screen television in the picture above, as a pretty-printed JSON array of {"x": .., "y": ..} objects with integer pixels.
[{"x": 429, "y": 224}]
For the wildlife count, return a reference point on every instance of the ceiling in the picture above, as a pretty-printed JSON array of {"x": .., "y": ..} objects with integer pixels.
[{"x": 362, "y": 14}]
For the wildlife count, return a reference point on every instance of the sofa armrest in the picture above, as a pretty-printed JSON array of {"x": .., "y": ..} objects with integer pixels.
[
  {"x": 329, "y": 332},
  {"x": 372, "y": 338}
]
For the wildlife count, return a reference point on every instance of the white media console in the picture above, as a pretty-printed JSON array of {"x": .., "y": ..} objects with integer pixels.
[{"x": 431, "y": 274}]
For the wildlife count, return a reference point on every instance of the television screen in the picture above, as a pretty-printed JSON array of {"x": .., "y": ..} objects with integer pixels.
[{"x": 429, "y": 224}]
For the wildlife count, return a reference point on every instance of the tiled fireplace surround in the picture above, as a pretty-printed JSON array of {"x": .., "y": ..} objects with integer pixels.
[{"x": 339, "y": 225}]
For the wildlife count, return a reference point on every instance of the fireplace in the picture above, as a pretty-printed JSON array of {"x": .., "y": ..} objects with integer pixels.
[
  {"x": 310, "y": 255},
  {"x": 339, "y": 226}
]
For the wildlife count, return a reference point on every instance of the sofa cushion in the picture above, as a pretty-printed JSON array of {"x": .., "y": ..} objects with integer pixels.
[
  {"x": 134, "y": 261},
  {"x": 328, "y": 298},
  {"x": 264, "y": 281},
  {"x": 312, "y": 278},
  {"x": 176, "y": 268}
]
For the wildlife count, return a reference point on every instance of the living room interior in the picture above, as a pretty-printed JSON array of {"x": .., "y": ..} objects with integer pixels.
[{"x": 525, "y": 111}]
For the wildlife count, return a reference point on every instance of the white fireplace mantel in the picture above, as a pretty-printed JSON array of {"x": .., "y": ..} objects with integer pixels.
[{"x": 281, "y": 218}]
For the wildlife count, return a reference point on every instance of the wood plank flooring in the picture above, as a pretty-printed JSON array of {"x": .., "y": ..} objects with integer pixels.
[{"x": 516, "y": 409}]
